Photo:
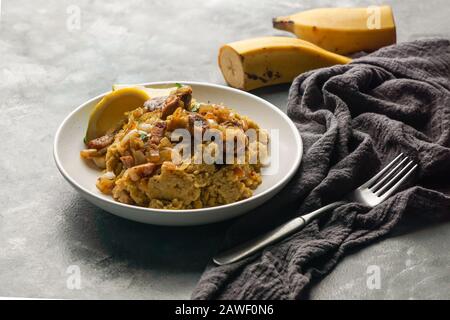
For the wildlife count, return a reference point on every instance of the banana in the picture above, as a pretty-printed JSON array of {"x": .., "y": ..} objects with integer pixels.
[
  {"x": 259, "y": 62},
  {"x": 343, "y": 30}
]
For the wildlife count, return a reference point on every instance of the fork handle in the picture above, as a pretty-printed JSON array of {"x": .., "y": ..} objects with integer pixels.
[{"x": 248, "y": 248}]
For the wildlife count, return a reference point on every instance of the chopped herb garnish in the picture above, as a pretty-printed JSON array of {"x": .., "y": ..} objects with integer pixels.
[
  {"x": 195, "y": 107},
  {"x": 144, "y": 137},
  {"x": 178, "y": 85}
]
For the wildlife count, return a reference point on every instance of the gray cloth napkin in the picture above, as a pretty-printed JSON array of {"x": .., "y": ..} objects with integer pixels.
[{"x": 353, "y": 119}]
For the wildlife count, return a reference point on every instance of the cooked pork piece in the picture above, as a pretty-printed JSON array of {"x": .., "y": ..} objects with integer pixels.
[
  {"x": 141, "y": 171},
  {"x": 128, "y": 161},
  {"x": 155, "y": 103},
  {"x": 101, "y": 142},
  {"x": 181, "y": 98},
  {"x": 157, "y": 133}
]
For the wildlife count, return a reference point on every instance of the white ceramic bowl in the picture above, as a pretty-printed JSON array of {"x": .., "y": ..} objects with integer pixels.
[{"x": 69, "y": 142}]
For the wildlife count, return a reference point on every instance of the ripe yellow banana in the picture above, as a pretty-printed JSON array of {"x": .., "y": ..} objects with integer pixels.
[
  {"x": 343, "y": 30},
  {"x": 259, "y": 62}
]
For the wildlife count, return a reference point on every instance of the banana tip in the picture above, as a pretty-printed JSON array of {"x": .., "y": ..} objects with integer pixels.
[{"x": 282, "y": 23}]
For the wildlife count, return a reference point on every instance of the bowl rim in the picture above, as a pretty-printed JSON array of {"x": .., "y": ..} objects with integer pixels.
[{"x": 154, "y": 211}]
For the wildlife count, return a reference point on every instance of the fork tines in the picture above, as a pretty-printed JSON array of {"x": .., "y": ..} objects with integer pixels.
[{"x": 391, "y": 176}]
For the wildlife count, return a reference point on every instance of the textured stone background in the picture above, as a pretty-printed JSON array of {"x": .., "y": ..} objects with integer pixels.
[{"x": 46, "y": 70}]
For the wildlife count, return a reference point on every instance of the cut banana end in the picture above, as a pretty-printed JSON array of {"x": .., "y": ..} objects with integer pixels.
[
  {"x": 231, "y": 65},
  {"x": 259, "y": 62}
]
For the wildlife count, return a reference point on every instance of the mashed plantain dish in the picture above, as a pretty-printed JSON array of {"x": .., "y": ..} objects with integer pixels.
[{"x": 173, "y": 152}]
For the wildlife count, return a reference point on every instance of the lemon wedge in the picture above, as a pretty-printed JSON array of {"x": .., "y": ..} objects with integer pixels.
[
  {"x": 156, "y": 91},
  {"x": 110, "y": 111}
]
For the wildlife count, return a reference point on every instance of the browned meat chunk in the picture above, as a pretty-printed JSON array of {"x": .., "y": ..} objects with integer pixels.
[
  {"x": 155, "y": 103},
  {"x": 167, "y": 105},
  {"x": 157, "y": 133},
  {"x": 197, "y": 122},
  {"x": 127, "y": 161},
  {"x": 185, "y": 94},
  {"x": 141, "y": 171},
  {"x": 242, "y": 124},
  {"x": 170, "y": 105},
  {"x": 100, "y": 143}
]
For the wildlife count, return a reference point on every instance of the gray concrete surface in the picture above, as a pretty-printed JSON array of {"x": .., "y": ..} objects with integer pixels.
[{"x": 47, "y": 68}]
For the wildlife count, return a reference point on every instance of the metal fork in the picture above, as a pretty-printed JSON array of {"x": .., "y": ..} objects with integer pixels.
[{"x": 371, "y": 193}]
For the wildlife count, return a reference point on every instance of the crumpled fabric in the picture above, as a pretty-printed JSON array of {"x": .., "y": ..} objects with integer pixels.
[{"x": 353, "y": 119}]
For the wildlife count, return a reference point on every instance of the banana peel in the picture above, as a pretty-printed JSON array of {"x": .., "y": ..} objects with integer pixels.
[{"x": 343, "y": 30}]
